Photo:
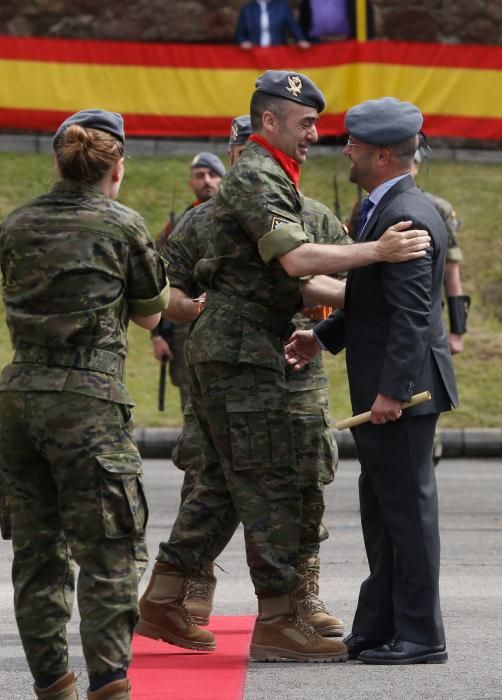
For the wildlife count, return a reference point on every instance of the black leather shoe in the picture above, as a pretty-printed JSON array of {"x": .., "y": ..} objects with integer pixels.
[
  {"x": 400, "y": 652},
  {"x": 355, "y": 644}
]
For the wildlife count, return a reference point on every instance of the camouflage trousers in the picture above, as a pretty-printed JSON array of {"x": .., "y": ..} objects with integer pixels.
[
  {"x": 73, "y": 472},
  {"x": 316, "y": 458},
  {"x": 248, "y": 473},
  {"x": 316, "y": 448},
  {"x": 178, "y": 368}
]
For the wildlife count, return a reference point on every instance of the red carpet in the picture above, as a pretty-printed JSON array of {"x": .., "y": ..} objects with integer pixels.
[{"x": 160, "y": 671}]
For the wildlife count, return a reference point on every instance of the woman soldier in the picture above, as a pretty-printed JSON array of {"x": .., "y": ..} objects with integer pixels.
[{"x": 76, "y": 266}]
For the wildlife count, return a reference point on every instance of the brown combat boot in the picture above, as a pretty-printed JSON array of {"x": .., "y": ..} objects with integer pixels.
[
  {"x": 281, "y": 635},
  {"x": 310, "y": 606},
  {"x": 163, "y": 614},
  {"x": 116, "y": 690},
  {"x": 200, "y": 594},
  {"x": 64, "y": 688}
]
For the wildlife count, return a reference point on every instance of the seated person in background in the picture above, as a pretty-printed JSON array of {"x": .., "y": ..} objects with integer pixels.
[{"x": 267, "y": 23}]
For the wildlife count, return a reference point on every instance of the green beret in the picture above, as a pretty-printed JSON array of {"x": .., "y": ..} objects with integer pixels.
[
  {"x": 111, "y": 122},
  {"x": 291, "y": 86},
  {"x": 383, "y": 122},
  {"x": 240, "y": 130},
  {"x": 208, "y": 160}
]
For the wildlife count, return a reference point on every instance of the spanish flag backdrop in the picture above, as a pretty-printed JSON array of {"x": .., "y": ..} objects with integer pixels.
[{"x": 195, "y": 89}]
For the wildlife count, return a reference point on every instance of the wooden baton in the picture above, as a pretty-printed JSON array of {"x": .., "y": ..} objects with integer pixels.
[{"x": 366, "y": 417}]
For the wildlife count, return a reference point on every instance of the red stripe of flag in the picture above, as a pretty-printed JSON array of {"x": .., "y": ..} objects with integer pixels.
[
  {"x": 231, "y": 57},
  {"x": 171, "y": 126}
]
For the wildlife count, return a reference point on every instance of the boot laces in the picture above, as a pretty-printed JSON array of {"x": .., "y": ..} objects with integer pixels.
[
  {"x": 309, "y": 591},
  {"x": 188, "y": 616},
  {"x": 184, "y": 611},
  {"x": 313, "y": 604},
  {"x": 307, "y": 629},
  {"x": 201, "y": 587}
]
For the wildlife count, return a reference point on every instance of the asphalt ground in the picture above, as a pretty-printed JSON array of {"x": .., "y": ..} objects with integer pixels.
[{"x": 471, "y": 530}]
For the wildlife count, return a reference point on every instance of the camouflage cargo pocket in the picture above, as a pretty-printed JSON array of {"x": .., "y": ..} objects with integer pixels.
[
  {"x": 329, "y": 451},
  {"x": 187, "y": 449},
  {"x": 261, "y": 435},
  {"x": 307, "y": 431},
  {"x": 123, "y": 504}
]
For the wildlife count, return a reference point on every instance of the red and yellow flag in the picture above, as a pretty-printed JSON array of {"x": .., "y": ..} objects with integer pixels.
[{"x": 195, "y": 90}]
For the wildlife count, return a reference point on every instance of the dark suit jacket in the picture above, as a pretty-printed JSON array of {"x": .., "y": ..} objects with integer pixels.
[
  {"x": 281, "y": 22},
  {"x": 392, "y": 324}
]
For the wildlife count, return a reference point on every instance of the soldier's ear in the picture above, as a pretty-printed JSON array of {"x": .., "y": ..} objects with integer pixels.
[
  {"x": 118, "y": 170},
  {"x": 269, "y": 121}
]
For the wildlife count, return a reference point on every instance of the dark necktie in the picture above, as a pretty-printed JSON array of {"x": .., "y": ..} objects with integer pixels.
[{"x": 366, "y": 206}]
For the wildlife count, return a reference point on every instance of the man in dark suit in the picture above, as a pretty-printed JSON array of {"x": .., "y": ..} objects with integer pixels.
[
  {"x": 396, "y": 345},
  {"x": 268, "y": 23}
]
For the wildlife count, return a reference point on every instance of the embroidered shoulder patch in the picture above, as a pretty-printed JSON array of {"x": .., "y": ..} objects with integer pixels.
[{"x": 277, "y": 221}]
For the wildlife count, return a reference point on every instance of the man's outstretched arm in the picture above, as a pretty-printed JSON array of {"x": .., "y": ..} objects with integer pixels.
[{"x": 396, "y": 245}]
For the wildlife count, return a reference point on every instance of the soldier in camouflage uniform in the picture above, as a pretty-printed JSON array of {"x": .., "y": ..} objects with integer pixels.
[
  {"x": 250, "y": 271},
  {"x": 457, "y": 302},
  {"x": 315, "y": 448},
  {"x": 168, "y": 338},
  {"x": 76, "y": 267},
  {"x": 186, "y": 454}
]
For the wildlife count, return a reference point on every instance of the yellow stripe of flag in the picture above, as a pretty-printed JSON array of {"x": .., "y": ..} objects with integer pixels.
[{"x": 220, "y": 92}]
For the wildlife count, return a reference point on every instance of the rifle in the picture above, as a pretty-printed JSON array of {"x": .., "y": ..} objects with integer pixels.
[
  {"x": 165, "y": 329},
  {"x": 169, "y": 225},
  {"x": 172, "y": 215},
  {"x": 162, "y": 382},
  {"x": 353, "y": 220},
  {"x": 337, "y": 206}
]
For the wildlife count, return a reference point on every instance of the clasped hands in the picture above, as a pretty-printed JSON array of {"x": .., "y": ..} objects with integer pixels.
[{"x": 303, "y": 346}]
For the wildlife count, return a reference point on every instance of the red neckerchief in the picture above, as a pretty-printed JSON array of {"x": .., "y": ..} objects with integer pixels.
[{"x": 289, "y": 165}]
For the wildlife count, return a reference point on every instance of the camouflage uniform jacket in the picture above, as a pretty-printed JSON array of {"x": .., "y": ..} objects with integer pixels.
[
  {"x": 257, "y": 218},
  {"x": 75, "y": 266},
  {"x": 452, "y": 223},
  {"x": 321, "y": 226},
  {"x": 191, "y": 241}
]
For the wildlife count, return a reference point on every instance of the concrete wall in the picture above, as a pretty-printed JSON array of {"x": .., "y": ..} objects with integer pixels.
[{"x": 453, "y": 21}]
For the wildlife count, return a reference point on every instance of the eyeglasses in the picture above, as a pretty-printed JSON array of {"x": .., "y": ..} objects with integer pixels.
[{"x": 350, "y": 144}]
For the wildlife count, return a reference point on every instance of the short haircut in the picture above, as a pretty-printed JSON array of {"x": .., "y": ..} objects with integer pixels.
[
  {"x": 404, "y": 150},
  {"x": 262, "y": 102}
]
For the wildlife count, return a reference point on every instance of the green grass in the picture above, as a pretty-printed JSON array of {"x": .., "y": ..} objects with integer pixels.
[{"x": 473, "y": 188}]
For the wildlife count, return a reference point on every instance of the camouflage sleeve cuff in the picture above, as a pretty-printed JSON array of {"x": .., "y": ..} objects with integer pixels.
[
  {"x": 146, "y": 307},
  {"x": 454, "y": 255},
  {"x": 281, "y": 240}
]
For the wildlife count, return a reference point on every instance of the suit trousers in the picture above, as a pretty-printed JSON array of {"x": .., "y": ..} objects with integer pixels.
[{"x": 399, "y": 516}]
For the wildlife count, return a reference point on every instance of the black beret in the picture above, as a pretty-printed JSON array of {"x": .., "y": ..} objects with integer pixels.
[
  {"x": 111, "y": 122},
  {"x": 240, "y": 130},
  {"x": 384, "y": 121},
  {"x": 208, "y": 160},
  {"x": 291, "y": 86}
]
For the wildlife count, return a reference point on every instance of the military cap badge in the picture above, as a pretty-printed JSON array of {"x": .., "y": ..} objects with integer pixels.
[{"x": 295, "y": 85}]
